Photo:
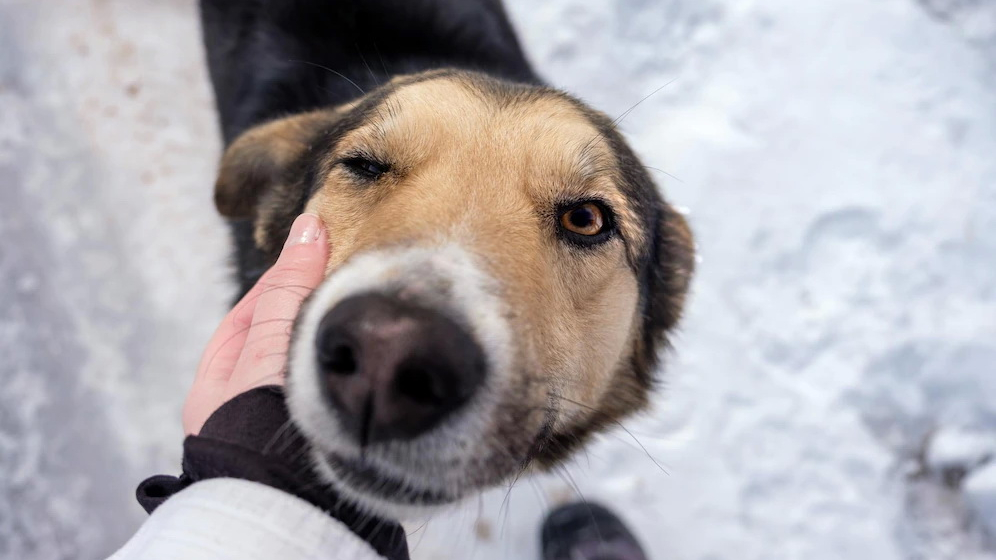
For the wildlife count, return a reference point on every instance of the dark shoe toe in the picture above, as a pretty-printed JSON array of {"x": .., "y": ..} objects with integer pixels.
[{"x": 587, "y": 531}]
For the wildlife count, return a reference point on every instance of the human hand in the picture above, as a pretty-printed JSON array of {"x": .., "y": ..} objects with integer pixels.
[{"x": 249, "y": 348}]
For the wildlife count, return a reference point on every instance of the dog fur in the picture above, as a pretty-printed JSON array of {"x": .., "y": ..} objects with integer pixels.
[{"x": 480, "y": 161}]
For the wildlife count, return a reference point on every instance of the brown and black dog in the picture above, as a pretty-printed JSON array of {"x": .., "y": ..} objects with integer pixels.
[{"x": 503, "y": 271}]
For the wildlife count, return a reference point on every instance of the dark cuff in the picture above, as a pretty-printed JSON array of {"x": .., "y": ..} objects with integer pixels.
[{"x": 251, "y": 437}]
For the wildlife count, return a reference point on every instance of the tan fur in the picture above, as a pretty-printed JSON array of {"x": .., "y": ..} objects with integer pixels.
[
  {"x": 257, "y": 159},
  {"x": 469, "y": 172},
  {"x": 468, "y": 165}
]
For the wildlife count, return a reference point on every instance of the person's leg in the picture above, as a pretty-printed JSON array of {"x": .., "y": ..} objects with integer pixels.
[{"x": 587, "y": 531}]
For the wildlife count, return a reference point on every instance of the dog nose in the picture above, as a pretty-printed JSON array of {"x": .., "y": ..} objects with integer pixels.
[{"x": 391, "y": 369}]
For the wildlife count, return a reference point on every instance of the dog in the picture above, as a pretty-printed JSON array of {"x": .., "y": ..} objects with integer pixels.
[{"x": 503, "y": 272}]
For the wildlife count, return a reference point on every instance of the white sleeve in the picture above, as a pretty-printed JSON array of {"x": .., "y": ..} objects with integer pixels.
[{"x": 227, "y": 518}]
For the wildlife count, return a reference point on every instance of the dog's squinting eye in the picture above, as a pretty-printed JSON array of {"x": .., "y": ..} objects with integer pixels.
[
  {"x": 583, "y": 219},
  {"x": 365, "y": 167}
]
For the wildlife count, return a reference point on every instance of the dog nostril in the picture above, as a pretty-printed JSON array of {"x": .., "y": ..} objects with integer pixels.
[
  {"x": 340, "y": 360},
  {"x": 392, "y": 370},
  {"x": 417, "y": 384}
]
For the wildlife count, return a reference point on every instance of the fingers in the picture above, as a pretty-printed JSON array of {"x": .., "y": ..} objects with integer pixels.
[
  {"x": 247, "y": 350},
  {"x": 225, "y": 347},
  {"x": 210, "y": 387},
  {"x": 298, "y": 271}
]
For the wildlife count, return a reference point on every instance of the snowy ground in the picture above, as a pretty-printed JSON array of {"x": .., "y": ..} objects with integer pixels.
[{"x": 832, "y": 395}]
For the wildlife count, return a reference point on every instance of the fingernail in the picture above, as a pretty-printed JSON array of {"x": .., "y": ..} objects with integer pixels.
[{"x": 306, "y": 229}]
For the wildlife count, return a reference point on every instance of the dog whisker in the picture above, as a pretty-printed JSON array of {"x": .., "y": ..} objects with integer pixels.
[
  {"x": 417, "y": 529},
  {"x": 268, "y": 287},
  {"x": 619, "y": 119},
  {"x": 369, "y": 69},
  {"x": 272, "y": 355},
  {"x": 237, "y": 334},
  {"x": 277, "y": 436},
  {"x": 276, "y": 378},
  {"x": 624, "y": 428},
  {"x": 665, "y": 173},
  {"x": 341, "y": 75},
  {"x": 425, "y": 527},
  {"x": 382, "y": 63},
  {"x": 569, "y": 480}
]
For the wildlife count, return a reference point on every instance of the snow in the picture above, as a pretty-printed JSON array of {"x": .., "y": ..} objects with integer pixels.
[
  {"x": 959, "y": 449},
  {"x": 831, "y": 393},
  {"x": 980, "y": 488}
]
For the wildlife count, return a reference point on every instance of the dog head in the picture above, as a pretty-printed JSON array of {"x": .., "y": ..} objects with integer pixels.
[{"x": 502, "y": 275}]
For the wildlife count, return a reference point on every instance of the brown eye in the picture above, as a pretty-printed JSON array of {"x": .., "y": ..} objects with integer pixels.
[{"x": 584, "y": 219}]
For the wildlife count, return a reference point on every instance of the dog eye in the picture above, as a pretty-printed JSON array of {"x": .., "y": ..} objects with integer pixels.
[
  {"x": 365, "y": 167},
  {"x": 583, "y": 219}
]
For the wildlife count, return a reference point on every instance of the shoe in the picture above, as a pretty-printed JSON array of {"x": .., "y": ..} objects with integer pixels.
[{"x": 587, "y": 531}]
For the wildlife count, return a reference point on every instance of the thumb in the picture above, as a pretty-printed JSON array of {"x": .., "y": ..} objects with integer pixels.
[{"x": 302, "y": 259}]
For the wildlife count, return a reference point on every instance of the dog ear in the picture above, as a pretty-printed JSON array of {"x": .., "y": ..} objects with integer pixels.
[
  {"x": 259, "y": 159},
  {"x": 668, "y": 274},
  {"x": 674, "y": 260}
]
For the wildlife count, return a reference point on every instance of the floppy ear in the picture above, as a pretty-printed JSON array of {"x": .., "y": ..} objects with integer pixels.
[
  {"x": 259, "y": 159},
  {"x": 667, "y": 275},
  {"x": 674, "y": 260}
]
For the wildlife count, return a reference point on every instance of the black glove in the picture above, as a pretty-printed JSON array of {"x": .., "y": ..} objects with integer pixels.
[{"x": 251, "y": 437}]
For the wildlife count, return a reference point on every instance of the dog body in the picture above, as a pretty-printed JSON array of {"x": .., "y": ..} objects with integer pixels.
[{"x": 503, "y": 272}]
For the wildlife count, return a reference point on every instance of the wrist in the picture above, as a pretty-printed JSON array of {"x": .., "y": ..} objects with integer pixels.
[{"x": 251, "y": 437}]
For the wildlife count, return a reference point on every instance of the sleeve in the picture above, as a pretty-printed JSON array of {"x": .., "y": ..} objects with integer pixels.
[
  {"x": 251, "y": 438},
  {"x": 228, "y": 518}
]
